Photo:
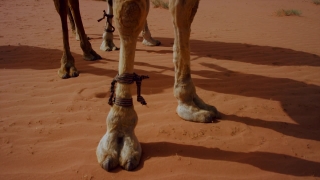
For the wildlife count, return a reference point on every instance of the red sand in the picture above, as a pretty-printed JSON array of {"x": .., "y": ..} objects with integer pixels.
[{"x": 261, "y": 71}]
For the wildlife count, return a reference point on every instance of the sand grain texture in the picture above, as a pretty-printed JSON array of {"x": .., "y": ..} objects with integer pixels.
[{"x": 261, "y": 71}]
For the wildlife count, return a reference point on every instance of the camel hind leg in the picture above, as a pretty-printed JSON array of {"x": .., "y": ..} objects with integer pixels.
[
  {"x": 190, "y": 106},
  {"x": 67, "y": 68},
  {"x": 88, "y": 53},
  {"x": 147, "y": 38}
]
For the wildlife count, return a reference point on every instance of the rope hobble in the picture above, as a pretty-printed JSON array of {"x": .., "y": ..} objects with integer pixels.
[
  {"x": 126, "y": 78},
  {"x": 109, "y": 17}
]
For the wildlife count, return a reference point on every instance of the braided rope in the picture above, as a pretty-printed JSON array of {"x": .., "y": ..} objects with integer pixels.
[
  {"x": 123, "y": 102},
  {"x": 126, "y": 78}
]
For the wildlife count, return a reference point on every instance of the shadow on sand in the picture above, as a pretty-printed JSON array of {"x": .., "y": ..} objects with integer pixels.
[
  {"x": 296, "y": 98},
  {"x": 272, "y": 162}
]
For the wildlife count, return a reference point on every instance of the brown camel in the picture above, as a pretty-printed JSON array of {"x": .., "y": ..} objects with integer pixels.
[
  {"x": 120, "y": 145},
  {"x": 68, "y": 68}
]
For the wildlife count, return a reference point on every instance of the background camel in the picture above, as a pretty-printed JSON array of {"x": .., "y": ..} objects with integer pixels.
[
  {"x": 68, "y": 68},
  {"x": 107, "y": 36}
]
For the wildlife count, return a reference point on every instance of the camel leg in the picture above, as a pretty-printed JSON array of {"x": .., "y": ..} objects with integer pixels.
[
  {"x": 190, "y": 106},
  {"x": 73, "y": 26},
  {"x": 120, "y": 145},
  {"x": 107, "y": 36},
  {"x": 88, "y": 53},
  {"x": 147, "y": 38},
  {"x": 67, "y": 68}
]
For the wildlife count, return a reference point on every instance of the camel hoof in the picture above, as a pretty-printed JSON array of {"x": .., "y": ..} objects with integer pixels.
[
  {"x": 151, "y": 42},
  {"x": 65, "y": 76},
  {"x": 97, "y": 57},
  {"x": 107, "y": 164},
  {"x": 196, "y": 114},
  {"x": 130, "y": 166},
  {"x": 158, "y": 43},
  {"x": 92, "y": 56},
  {"x": 115, "y": 49},
  {"x": 75, "y": 74},
  {"x": 108, "y": 47}
]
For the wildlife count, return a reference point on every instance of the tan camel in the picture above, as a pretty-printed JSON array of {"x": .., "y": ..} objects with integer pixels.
[
  {"x": 68, "y": 68},
  {"x": 120, "y": 145},
  {"x": 107, "y": 37}
]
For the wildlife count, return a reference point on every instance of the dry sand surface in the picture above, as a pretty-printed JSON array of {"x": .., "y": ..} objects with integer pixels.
[{"x": 261, "y": 71}]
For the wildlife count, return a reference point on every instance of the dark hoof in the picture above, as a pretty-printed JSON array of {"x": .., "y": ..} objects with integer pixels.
[
  {"x": 218, "y": 115},
  {"x": 97, "y": 57},
  {"x": 107, "y": 164},
  {"x": 65, "y": 76},
  {"x": 75, "y": 74},
  {"x": 129, "y": 166},
  {"x": 92, "y": 56}
]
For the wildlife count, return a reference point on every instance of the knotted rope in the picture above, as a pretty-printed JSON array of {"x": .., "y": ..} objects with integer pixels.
[
  {"x": 127, "y": 78},
  {"x": 109, "y": 16}
]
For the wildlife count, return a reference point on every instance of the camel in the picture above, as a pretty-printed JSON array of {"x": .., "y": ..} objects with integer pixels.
[
  {"x": 68, "y": 68},
  {"x": 119, "y": 145}
]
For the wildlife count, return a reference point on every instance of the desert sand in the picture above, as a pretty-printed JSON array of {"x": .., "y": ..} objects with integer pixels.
[{"x": 260, "y": 70}]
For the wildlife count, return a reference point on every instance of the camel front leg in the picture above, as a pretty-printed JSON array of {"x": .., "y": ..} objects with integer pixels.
[
  {"x": 190, "y": 106},
  {"x": 120, "y": 145},
  {"x": 107, "y": 36}
]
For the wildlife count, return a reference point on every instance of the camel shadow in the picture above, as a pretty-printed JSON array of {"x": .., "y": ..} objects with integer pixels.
[
  {"x": 254, "y": 54},
  {"x": 297, "y": 99},
  {"x": 42, "y": 59},
  {"x": 272, "y": 162},
  {"x": 289, "y": 129}
]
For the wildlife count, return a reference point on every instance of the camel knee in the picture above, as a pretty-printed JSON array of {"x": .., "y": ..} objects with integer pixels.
[
  {"x": 186, "y": 10},
  {"x": 130, "y": 16}
]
